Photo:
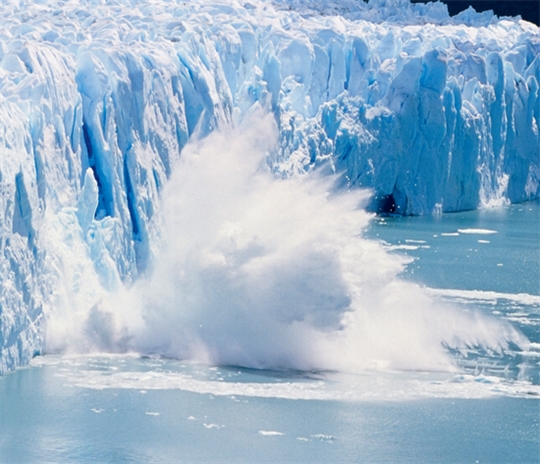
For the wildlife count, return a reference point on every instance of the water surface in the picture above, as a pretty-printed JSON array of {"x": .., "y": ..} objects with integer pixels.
[{"x": 124, "y": 408}]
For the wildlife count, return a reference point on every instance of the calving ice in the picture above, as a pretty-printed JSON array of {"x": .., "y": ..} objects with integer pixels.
[{"x": 173, "y": 175}]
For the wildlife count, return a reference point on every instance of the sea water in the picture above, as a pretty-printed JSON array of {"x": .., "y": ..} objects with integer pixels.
[{"x": 127, "y": 408}]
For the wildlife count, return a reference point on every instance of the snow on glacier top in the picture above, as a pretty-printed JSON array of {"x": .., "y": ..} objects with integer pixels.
[{"x": 29, "y": 19}]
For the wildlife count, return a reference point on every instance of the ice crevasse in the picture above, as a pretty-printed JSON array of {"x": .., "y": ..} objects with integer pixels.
[{"x": 98, "y": 98}]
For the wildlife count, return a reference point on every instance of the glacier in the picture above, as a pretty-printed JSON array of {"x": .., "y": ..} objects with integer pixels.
[{"x": 431, "y": 113}]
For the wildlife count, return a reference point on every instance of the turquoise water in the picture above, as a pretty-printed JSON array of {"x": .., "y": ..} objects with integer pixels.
[
  {"x": 122, "y": 408},
  {"x": 43, "y": 420},
  {"x": 507, "y": 260},
  {"x": 500, "y": 253}
]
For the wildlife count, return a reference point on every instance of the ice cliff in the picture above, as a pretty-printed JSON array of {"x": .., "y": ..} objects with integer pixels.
[{"x": 98, "y": 98}]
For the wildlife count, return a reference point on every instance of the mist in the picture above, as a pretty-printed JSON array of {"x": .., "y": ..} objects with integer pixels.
[{"x": 263, "y": 272}]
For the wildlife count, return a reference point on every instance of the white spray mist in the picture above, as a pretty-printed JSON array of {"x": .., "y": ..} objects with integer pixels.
[{"x": 261, "y": 272}]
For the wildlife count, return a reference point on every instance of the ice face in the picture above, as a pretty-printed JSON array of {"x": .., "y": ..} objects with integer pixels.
[{"x": 98, "y": 100}]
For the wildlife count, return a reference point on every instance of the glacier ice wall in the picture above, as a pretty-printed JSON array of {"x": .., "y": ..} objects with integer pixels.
[{"x": 98, "y": 98}]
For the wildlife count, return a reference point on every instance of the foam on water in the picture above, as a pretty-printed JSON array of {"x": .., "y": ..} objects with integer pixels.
[
  {"x": 488, "y": 296},
  {"x": 128, "y": 373},
  {"x": 261, "y": 272}
]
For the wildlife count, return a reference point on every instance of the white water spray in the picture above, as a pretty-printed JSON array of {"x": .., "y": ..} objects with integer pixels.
[{"x": 261, "y": 272}]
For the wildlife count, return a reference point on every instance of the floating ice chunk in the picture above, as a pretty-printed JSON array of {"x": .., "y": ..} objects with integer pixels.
[
  {"x": 402, "y": 247},
  {"x": 212, "y": 426},
  {"x": 324, "y": 438},
  {"x": 477, "y": 231},
  {"x": 270, "y": 433}
]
